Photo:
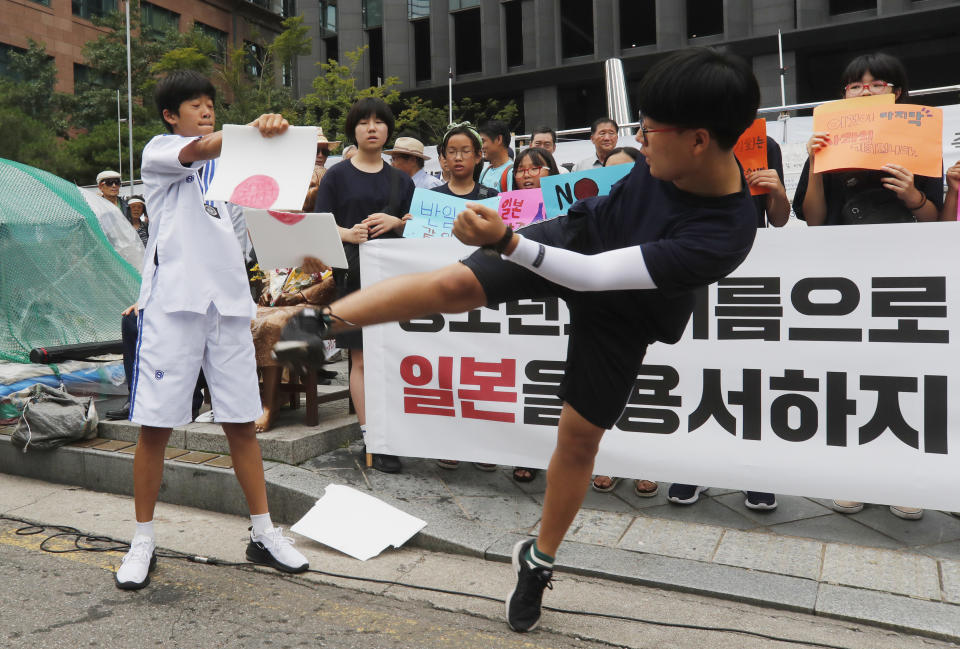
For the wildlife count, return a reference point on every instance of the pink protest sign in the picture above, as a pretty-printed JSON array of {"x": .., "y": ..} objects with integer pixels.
[{"x": 521, "y": 207}]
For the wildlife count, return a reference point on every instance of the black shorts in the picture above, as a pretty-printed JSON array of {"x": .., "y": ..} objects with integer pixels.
[{"x": 607, "y": 341}]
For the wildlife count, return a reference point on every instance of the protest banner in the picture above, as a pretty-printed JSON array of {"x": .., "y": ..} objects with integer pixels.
[
  {"x": 818, "y": 379},
  {"x": 521, "y": 207},
  {"x": 434, "y": 213},
  {"x": 751, "y": 151},
  {"x": 563, "y": 190},
  {"x": 865, "y": 135}
]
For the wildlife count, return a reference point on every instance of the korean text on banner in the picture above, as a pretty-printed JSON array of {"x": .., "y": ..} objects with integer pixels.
[
  {"x": 562, "y": 191},
  {"x": 264, "y": 172},
  {"x": 751, "y": 151},
  {"x": 868, "y": 136},
  {"x": 521, "y": 207},
  {"x": 434, "y": 213}
]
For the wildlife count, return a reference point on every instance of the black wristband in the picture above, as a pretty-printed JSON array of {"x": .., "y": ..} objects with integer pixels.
[{"x": 501, "y": 245}]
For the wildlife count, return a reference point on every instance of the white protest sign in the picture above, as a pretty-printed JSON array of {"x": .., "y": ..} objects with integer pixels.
[
  {"x": 821, "y": 367},
  {"x": 264, "y": 172},
  {"x": 283, "y": 239}
]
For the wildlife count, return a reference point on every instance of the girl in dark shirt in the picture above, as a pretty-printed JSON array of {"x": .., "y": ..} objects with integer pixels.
[
  {"x": 460, "y": 149},
  {"x": 867, "y": 196},
  {"x": 368, "y": 198}
]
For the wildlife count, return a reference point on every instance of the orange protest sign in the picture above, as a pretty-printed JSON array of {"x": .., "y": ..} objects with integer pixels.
[
  {"x": 868, "y": 135},
  {"x": 751, "y": 151}
]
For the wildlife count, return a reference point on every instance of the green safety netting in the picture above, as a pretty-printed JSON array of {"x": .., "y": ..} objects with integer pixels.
[{"x": 61, "y": 282}]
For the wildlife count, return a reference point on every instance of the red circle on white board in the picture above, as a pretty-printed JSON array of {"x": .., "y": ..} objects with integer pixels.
[{"x": 257, "y": 191}]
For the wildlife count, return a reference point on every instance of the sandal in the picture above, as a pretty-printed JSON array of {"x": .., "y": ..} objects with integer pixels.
[
  {"x": 448, "y": 464},
  {"x": 485, "y": 467},
  {"x": 648, "y": 492},
  {"x": 524, "y": 474},
  {"x": 613, "y": 484}
]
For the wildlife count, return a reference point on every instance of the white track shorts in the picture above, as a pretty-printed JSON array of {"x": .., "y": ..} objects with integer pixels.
[{"x": 171, "y": 350}]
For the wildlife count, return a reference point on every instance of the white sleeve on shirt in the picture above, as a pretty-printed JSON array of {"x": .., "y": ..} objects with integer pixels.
[
  {"x": 161, "y": 159},
  {"x": 614, "y": 270}
]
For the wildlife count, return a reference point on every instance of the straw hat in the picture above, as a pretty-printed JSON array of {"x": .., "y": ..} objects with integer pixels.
[
  {"x": 322, "y": 139},
  {"x": 408, "y": 146}
]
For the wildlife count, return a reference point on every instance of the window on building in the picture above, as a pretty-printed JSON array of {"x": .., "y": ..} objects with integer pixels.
[
  {"x": 638, "y": 23},
  {"x": 418, "y": 9},
  {"x": 704, "y": 18},
  {"x": 255, "y": 55},
  {"x": 372, "y": 13},
  {"x": 90, "y": 8},
  {"x": 849, "y": 6},
  {"x": 422, "y": 62},
  {"x": 288, "y": 8},
  {"x": 466, "y": 43},
  {"x": 45, "y": 3},
  {"x": 328, "y": 17},
  {"x": 286, "y": 74},
  {"x": 267, "y": 4},
  {"x": 463, "y": 4},
  {"x": 219, "y": 38},
  {"x": 375, "y": 41},
  {"x": 155, "y": 20},
  {"x": 513, "y": 28},
  {"x": 331, "y": 46},
  {"x": 576, "y": 28},
  {"x": 5, "y": 60},
  {"x": 86, "y": 76}
]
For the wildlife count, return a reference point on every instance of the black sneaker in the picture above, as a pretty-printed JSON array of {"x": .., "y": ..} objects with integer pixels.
[
  {"x": 761, "y": 501},
  {"x": 523, "y": 602},
  {"x": 684, "y": 494},
  {"x": 301, "y": 341}
]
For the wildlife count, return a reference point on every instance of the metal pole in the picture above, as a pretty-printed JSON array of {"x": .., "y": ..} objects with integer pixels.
[
  {"x": 119, "y": 140},
  {"x": 129, "y": 96},
  {"x": 784, "y": 116},
  {"x": 450, "y": 94}
]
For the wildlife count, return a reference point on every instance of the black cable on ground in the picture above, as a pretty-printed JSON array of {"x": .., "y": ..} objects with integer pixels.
[{"x": 83, "y": 542}]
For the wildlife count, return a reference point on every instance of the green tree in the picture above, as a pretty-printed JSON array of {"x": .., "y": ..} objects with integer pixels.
[
  {"x": 336, "y": 90},
  {"x": 430, "y": 122}
]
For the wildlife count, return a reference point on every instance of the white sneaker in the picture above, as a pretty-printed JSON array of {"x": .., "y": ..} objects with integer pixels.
[
  {"x": 140, "y": 560},
  {"x": 205, "y": 417},
  {"x": 274, "y": 549}
]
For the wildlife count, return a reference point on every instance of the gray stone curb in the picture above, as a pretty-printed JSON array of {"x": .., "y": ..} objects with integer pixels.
[{"x": 293, "y": 490}]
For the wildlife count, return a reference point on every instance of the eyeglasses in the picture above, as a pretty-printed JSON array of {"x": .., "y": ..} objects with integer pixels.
[
  {"x": 112, "y": 182},
  {"x": 876, "y": 87},
  {"x": 644, "y": 131},
  {"x": 453, "y": 153},
  {"x": 530, "y": 171}
]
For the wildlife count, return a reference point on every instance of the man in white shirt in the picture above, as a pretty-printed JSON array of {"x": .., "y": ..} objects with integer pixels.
[
  {"x": 407, "y": 155},
  {"x": 603, "y": 134}
]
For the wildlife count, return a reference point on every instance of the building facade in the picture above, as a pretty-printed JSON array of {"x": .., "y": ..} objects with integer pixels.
[
  {"x": 64, "y": 26},
  {"x": 548, "y": 54}
]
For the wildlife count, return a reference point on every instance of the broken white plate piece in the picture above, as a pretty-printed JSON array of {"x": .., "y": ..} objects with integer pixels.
[{"x": 356, "y": 523}]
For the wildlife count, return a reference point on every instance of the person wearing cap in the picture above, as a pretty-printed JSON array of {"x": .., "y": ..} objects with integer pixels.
[
  {"x": 319, "y": 167},
  {"x": 137, "y": 214},
  {"x": 407, "y": 155},
  {"x": 108, "y": 182}
]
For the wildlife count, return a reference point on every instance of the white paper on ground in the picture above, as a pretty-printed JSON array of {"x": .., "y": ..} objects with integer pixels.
[
  {"x": 264, "y": 172},
  {"x": 356, "y": 523},
  {"x": 283, "y": 239}
]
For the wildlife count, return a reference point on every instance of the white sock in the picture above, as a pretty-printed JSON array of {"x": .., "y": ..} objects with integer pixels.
[
  {"x": 261, "y": 523},
  {"x": 145, "y": 529}
]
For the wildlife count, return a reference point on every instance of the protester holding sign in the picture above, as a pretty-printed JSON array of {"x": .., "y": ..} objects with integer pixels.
[
  {"x": 893, "y": 195},
  {"x": 368, "y": 198},
  {"x": 628, "y": 266},
  {"x": 460, "y": 150}
]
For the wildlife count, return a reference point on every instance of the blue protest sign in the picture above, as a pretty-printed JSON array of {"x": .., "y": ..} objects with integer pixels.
[
  {"x": 563, "y": 190},
  {"x": 434, "y": 213}
]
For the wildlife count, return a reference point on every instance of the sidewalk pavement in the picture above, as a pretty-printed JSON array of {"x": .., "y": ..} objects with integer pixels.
[{"x": 870, "y": 567}]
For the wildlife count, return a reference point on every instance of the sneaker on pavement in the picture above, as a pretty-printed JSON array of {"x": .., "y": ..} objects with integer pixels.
[
  {"x": 906, "y": 513},
  {"x": 847, "y": 506},
  {"x": 684, "y": 494},
  {"x": 523, "y": 602},
  {"x": 205, "y": 418},
  {"x": 760, "y": 501},
  {"x": 138, "y": 563},
  {"x": 274, "y": 549}
]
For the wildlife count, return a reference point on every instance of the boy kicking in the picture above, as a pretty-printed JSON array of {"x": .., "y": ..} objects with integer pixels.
[
  {"x": 627, "y": 265},
  {"x": 195, "y": 311}
]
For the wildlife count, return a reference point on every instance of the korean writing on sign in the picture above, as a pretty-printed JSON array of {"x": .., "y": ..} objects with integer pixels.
[
  {"x": 751, "y": 151},
  {"x": 902, "y": 310},
  {"x": 434, "y": 213},
  {"x": 533, "y": 317},
  {"x": 521, "y": 207},
  {"x": 436, "y": 387}
]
